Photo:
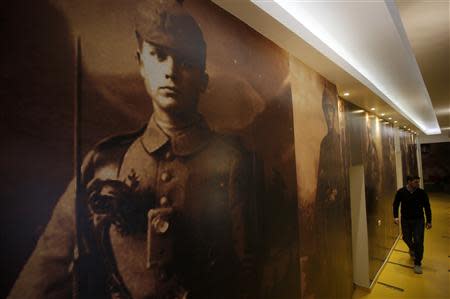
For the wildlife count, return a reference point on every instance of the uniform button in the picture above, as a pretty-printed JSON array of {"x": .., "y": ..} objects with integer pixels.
[
  {"x": 168, "y": 155},
  {"x": 164, "y": 201},
  {"x": 160, "y": 225},
  {"x": 165, "y": 177},
  {"x": 162, "y": 275}
]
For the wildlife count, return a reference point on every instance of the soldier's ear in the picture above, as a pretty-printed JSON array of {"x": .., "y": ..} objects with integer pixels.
[
  {"x": 140, "y": 63},
  {"x": 138, "y": 57}
]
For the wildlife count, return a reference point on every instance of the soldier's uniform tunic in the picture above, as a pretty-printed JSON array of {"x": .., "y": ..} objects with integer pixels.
[{"x": 202, "y": 176}]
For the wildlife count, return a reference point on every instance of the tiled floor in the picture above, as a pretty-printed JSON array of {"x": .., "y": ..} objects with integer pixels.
[{"x": 398, "y": 280}]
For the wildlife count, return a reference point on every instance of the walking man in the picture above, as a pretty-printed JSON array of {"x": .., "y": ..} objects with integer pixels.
[{"x": 413, "y": 201}]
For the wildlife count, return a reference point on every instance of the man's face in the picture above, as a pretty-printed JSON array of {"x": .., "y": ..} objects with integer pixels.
[
  {"x": 171, "y": 81},
  {"x": 414, "y": 184}
]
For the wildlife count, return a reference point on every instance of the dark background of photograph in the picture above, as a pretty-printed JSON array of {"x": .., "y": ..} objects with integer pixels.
[
  {"x": 248, "y": 96},
  {"x": 36, "y": 89}
]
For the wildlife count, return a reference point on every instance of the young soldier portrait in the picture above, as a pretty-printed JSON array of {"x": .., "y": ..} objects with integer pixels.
[{"x": 159, "y": 213}]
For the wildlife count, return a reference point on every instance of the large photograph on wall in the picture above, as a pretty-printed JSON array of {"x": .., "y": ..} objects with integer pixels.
[
  {"x": 186, "y": 185},
  {"x": 323, "y": 193},
  {"x": 379, "y": 177},
  {"x": 371, "y": 144}
]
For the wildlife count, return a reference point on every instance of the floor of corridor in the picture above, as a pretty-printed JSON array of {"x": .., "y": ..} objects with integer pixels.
[{"x": 398, "y": 280}]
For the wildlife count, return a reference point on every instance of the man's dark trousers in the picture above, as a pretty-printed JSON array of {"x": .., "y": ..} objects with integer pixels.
[{"x": 413, "y": 232}]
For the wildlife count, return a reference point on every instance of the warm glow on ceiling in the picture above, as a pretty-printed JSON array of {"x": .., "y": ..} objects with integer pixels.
[{"x": 389, "y": 70}]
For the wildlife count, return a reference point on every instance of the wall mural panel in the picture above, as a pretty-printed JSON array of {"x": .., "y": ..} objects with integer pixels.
[
  {"x": 195, "y": 201},
  {"x": 372, "y": 144},
  {"x": 408, "y": 147},
  {"x": 322, "y": 163}
]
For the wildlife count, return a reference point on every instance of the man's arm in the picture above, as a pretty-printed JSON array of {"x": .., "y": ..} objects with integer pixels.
[
  {"x": 427, "y": 208},
  {"x": 396, "y": 205}
]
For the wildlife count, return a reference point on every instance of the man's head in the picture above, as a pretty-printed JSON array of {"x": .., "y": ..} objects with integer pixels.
[
  {"x": 413, "y": 181},
  {"x": 171, "y": 54}
]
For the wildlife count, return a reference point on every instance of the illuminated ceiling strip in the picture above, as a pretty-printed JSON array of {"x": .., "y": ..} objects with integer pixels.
[{"x": 295, "y": 17}]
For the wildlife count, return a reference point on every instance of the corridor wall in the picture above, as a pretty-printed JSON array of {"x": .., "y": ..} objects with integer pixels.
[
  {"x": 323, "y": 189},
  {"x": 283, "y": 215},
  {"x": 331, "y": 135},
  {"x": 372, "y": 145}
]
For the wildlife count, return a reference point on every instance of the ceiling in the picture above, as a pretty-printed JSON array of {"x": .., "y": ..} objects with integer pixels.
[
  {"x": 421, "y": 40},
  {"x": 427, "y": 25}
]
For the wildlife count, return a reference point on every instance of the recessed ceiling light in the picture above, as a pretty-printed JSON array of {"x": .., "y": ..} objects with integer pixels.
[
  {"x": 358, "y": 111},
  {"x": 346, "y": 94},
  {"x": 382, "y": 114},
  {"x": 390, "y": 118},
  {"x": 372, "y": 109},
  {"x": 395, "y": 121}
]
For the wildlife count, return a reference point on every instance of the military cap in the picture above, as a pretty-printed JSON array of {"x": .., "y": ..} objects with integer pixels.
[{"x": 166, "y": 23}]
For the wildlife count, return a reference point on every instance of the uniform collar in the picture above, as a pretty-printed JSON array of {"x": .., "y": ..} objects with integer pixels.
[{"x": 183, "y": 143}]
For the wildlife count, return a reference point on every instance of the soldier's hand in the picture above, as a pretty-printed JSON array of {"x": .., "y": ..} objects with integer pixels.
[
  {"x": 396, "y": 220},
  {"x": 428, "y": 225}
]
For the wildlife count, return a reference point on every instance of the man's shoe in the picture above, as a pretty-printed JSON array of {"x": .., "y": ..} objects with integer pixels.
[
  {"x": 411, "y": 254},
  {"x": 418, "y": 269}
]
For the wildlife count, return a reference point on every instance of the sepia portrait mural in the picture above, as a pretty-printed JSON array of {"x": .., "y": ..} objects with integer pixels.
[
  {"x": 324, "y": 214},
  {"x": 186, "y": 184},
  {"x": 371, "y": 143}
]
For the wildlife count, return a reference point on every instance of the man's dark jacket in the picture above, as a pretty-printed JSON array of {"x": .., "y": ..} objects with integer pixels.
[{"x": 412, "y": 204}]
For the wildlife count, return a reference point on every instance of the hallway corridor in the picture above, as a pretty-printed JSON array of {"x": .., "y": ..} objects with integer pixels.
[{"x": 398, "y": 280}]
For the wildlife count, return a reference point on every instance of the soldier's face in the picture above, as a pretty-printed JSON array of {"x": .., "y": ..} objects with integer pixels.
[
  {"x": 330, "y": 114},
  {"x": 173, "y": 84}
]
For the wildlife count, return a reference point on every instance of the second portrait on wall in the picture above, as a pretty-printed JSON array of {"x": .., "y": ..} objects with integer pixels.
[{"x": 322, "y": 163}]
